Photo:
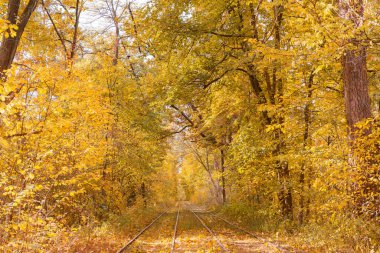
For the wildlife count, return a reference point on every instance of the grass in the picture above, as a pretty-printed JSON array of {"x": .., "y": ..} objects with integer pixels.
[{"x": 340, "y": 233}]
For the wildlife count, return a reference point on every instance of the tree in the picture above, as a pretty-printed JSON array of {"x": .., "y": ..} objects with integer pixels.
[
  {"x": 354, "y": 63},
  {"x": 10, "y": 40}
]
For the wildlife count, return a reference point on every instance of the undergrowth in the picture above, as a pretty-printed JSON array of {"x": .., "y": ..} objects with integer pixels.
[
  {"x": 107, "y": 236},
  {"x": 342, "y": 233}
]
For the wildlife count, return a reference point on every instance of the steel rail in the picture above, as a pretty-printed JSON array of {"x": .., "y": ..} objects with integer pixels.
[
  {"x": 140, "y": 233},
  {"x": 175, "y": 232},
  {"x": 253, "y": 235},
  {"x": 212, "y": 233}
]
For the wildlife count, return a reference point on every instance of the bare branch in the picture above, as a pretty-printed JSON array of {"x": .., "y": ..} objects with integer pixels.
[
  {"x": 22, "y": 134},
  {"x": 183, "y": 114},
  {"x": 60, "y": 36}
]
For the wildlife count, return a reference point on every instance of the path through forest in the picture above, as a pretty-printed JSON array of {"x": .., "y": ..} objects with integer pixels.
[{"x": 193, "y": 236}]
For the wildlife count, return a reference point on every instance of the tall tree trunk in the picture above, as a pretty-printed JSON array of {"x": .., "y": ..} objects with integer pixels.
[
  {"x": 9, "y": 44},
  {"x": 275, "y": 85},
  {"x": 144, "y": 194},
  {"x": 354, "y": 64},
  {"x": 117, "y": 44},
  {"x": 358, "y": 108},
  {"x": 223, "y": 176},
  {"x": 356, "y": 95},
  {"x": 282, "y": 167},
  {"x": 306, "y": 137},
  {"x": 285, "y": 193},
  {"x": 74, "y": 43}
]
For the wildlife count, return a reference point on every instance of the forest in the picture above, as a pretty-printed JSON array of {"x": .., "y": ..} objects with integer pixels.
[{"x": 264, "y": 112}]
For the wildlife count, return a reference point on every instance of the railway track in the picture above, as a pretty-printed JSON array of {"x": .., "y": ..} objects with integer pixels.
[
  {"x": 139, "y": 234},
  {"x": 203, "y": 223},
  {"x": 175, "y": 232},
  {"x": 224, "y": 249},
  {"x": 279, "y": 247}
]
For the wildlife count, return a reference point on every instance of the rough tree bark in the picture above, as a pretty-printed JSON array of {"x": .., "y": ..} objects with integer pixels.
[
  {"x": 354, "y": 64},
  {"x": 356, "y": 95},
  {"x": 358, "y": 108}
]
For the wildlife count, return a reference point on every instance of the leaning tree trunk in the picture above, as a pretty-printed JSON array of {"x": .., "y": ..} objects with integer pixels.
[{"x": 9, "y": 44}]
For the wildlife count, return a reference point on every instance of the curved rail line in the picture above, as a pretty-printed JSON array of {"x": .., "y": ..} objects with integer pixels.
[
  {"x": 212, "y": 233},
  {"x": 175, "y": 232},
  {"x": 140, "y": 233},
  {"x": 253, "y": 235}
]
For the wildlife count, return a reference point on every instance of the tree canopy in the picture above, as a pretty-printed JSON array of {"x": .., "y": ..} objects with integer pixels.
[{"x": 268, "y": 109}]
